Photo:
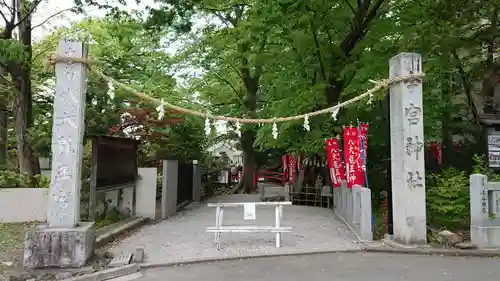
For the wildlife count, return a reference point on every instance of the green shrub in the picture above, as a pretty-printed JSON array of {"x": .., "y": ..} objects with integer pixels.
[
  {"x": 448, "y": 196},
  {"x": 481, "y": 167},
  {"x": 13, "y": 179},
  {"x": 448, "y": 199},
  {"x": 41, "y": 181}
]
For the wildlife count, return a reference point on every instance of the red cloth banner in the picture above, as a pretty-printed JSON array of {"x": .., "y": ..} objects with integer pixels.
[
  {"x": 363, "y": 135},
  {"x": 363, "y": 130},
  {"x": 329, "y": 153},
  {"x": 436, "y": 151},
  {"x": 284, "y": 163},
  {"x": 352, "y": 156},
  {"x": 291, "y": 166},
  {"x": 299, "y": 162},
  {"x": 334, "y": 162}
]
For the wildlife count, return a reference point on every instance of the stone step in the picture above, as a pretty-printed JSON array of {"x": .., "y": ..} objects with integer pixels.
[{"x": 122, "y": 259}]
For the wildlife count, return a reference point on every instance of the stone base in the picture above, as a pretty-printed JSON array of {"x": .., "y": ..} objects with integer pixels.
[
  {"x": 59, "y": 247},
  {"x": 485, "y": 237},
  {"x": 391, "y": 241}
]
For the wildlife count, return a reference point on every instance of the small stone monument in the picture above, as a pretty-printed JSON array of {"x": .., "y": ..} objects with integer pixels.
[
  {"x": 484, "y": 212},
  {"x": 65, "y": 242},
  {"x": 407, "y": 151}
]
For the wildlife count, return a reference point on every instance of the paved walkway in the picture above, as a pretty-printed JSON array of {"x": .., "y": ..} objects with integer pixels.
[
  {"x": 338, "y": 267},
  {"x": 183, "y": 237}
]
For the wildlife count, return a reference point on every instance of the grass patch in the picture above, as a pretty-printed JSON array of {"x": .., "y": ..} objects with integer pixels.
[
  {"x": 380, "y": 225},
  {"x": 12, "y": 242}
]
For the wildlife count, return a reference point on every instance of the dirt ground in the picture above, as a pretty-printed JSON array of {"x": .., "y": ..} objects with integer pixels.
[{"x": 12, "y": 243}]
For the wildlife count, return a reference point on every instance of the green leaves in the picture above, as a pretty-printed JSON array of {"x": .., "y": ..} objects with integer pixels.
[
  {"x": 448, "y": 199},
  {"x": 306, "y": 55},
  {"x": 11, "y": 50}
]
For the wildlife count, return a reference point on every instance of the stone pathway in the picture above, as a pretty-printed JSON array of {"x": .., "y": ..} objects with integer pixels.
[{"x": 183, "y": 238}]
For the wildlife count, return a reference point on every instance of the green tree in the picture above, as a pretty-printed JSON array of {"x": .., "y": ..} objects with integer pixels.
[
  {"x": 16, "y": 62},
  {"x": 124, "y": 50}
]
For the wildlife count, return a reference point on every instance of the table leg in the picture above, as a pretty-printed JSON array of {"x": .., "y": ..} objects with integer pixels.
[
  {"x": 278, "y": 234},
  {"x": 217, "y": 214},
  {"x": 221, "y": 219}
]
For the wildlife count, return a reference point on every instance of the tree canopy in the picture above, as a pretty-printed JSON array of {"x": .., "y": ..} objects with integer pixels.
[{"x": 258, "y": 59}]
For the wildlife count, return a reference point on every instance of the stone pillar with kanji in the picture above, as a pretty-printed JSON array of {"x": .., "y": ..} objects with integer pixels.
[
  {"x": 407, "y": 151},
  {"x": 65, "y": 241}
]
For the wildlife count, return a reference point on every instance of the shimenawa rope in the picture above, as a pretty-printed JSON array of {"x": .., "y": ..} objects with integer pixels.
[{"x": 380, "y": 84}]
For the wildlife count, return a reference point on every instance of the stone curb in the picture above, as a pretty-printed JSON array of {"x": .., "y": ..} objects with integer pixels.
[
  {"x": 433, "y": 252},
  {"x": 415, "y": 251},
  {"x": 107, "y": 273},
  {"x": 218, "y": 259},
  {"x": 109, "y": 235}
]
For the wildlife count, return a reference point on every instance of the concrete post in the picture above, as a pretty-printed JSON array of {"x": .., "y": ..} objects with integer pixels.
[
  {"x": 196, "y": 181},
  {"x": 146, "y": 193},
  {"x": 366, "y": 227},
  {"x": 170, "y": 184},
  {"x": 407, "y": 151}
]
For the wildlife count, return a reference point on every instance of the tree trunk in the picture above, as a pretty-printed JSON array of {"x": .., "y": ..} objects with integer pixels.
[
  {"x": 248, "y": 134},
  {"x": 488, "y": 83},
  {"x": 4, "y": 117},
  {"x": 3, "y": 136},
  {"x": 447, "y": 140},
  {"x": 333, "y": 92},
  {"x": 22, "y": 107},
  {"x": 247, "y": 141}
]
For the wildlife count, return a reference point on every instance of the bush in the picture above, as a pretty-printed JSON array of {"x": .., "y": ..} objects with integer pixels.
[
  {"x": 41, "y": 181},
  {"x": 13, "y": 179},
  {"x": 448, "y": 199},
  {"x": 448, "y": 196}
]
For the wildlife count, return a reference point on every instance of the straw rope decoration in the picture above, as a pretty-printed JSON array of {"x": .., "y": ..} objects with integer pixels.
[{"x": 379, "y": 84}]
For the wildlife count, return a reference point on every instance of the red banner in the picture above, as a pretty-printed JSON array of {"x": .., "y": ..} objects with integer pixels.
[
  {"x": 291, "y": 166},
  {"x": 299, "y": 163},
  {"x": 436, "y": 151},
  {"x": 363, "y": 131},
  {"x": 335, "y": 164},
  {"x": 284, "y": 163},
  {"x": 352, "y": 156}
]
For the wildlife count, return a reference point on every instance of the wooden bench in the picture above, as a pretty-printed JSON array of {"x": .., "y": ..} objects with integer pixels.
[{"x": 219, "y": 215}]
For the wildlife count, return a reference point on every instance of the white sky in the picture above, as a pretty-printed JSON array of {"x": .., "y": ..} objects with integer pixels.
[{"x": 64, "y": 18}]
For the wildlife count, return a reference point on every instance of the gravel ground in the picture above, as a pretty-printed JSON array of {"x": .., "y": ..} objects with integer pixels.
[
  {"x": 183, "y": 237},
  {"x": 338, "y": 267}
]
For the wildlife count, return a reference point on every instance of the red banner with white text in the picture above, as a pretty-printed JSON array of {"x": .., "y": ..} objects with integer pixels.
[
  {"x": 335, "y": 165},
  {"x": 291, "y": 168},
  {"x": 352, "y": 156},
  {"x": 363, "y": 135}
]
